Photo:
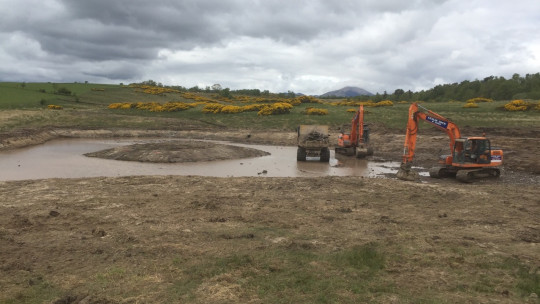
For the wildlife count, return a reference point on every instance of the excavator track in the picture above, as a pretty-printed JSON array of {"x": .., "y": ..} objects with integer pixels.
[
  {"x": 438, "y": 172},
  {"x": 465, "y": 176},
  {"x": 468, "y": 176}
]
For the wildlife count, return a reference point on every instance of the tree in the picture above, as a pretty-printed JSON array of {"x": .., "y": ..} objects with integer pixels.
[
  {"x": 217, "y": 87},
  {"x": 149, "y": 82},
  {"x": 398, "y": 93},
  {"x": 225, "y": 93}
]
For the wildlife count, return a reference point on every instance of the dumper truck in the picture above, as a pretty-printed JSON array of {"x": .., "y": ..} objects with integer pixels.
[{"x": 313, "y": 141}]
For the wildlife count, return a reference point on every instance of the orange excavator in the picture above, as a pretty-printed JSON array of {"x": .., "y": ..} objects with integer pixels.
[
  {"x": 355, "y": 142},
  {"x": 470, "y": 158}
]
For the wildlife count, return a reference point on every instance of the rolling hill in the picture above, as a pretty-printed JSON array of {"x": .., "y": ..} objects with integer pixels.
[{"x": 347, "y": 92}]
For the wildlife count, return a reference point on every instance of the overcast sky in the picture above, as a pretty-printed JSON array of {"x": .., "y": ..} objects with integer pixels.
[{"x": 305, "y": 46}]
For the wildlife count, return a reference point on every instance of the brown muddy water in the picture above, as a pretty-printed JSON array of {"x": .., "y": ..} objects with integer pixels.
[{"x": 65, "y": 159}]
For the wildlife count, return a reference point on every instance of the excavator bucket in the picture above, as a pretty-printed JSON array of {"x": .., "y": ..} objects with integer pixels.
[
  {"x": 405, "y": 172},
  {"x": 363, "y": 151},
  {"x": 347, "y": 151}
]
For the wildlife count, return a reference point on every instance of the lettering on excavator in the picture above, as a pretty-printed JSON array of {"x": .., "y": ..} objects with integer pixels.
[{"x": 437, "y": 122}]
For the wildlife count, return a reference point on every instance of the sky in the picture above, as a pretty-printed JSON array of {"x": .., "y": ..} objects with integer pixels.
[{"x": 303, "y": 46}]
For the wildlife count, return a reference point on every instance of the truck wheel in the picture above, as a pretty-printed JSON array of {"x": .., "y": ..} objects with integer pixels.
[
  {"x": 301, "y": 154},
  {"x": 325, "y": 155}
]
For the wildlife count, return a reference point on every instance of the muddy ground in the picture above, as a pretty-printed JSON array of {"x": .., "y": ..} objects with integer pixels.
[{"x": 126, "y": 239}]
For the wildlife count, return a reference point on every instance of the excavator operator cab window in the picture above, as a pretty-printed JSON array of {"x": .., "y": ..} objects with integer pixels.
[
  {"x": 482, "y": 151},
  {"x": 477, "y": 151}
]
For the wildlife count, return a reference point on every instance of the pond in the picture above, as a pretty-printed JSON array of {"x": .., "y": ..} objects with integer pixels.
[{"x": 65, "y": 159}]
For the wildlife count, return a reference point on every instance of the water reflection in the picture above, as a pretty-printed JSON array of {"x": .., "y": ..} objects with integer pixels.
[{"x": 65, "y": 159}]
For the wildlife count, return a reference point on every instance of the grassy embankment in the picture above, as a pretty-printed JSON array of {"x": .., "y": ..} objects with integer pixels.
[{"x": 86, "y": 107}]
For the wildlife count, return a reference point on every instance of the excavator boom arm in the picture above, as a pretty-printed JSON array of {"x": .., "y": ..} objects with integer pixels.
[
  {"x": 439, "y": 121},
  {"x": 361, "y": 124},
  {"x": 354, "y": 129}
]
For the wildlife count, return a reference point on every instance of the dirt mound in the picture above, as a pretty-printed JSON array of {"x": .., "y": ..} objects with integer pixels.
[{"x": 177, "y": 152}]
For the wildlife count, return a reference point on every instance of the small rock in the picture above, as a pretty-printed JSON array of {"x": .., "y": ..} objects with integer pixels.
[{"x": 99, "y": 232}]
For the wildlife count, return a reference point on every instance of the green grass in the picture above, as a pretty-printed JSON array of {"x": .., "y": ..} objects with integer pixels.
[
  {"x": 351, "y": 275},
  {"x": 13, "y": 97},
  {"x": 38, "y": 291},
  {"x": 291, "y": 275},
  {"x": 307, "y": 274}
]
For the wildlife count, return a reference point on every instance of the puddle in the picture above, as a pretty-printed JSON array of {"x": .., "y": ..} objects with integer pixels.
[{"x": 65, "y": 159}]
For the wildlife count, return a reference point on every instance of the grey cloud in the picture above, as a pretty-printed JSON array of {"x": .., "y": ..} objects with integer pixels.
[{"x": 306, "y": 45}]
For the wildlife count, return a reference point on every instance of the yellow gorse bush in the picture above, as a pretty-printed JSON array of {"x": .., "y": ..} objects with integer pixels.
[
  {"x": 153, "y": 89},
  {"x": 121, "y": 105},
  {"x": 230, "y": 109},
  {"x": 146, "y": 105},
  {"x": 470, "y": 105},
  {"x": 316, "y": 111},
  {"x": 154, "y": 106},
  {"x": 54, "y": 107},
  {"x": 276, "y": 108},
  {"x": 384, "y": 103},
  {"x": 306, "y": 99},
  {"x": 261, "y": 109},
  {"x": 212, "y": 108},
  {"x": 516, "y": 105},
  {"x": 479, "y": 99},
  {"x": 171, "y": 107},
  {"x": 254, "y": 107}
]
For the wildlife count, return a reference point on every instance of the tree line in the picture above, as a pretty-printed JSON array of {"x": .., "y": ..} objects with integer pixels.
[{"x": 493, "y": 87}]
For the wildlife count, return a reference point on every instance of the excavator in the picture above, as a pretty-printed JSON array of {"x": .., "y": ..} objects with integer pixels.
[
  {"x": 470, "y": 158},
  {"x": 355, "y": 142}
]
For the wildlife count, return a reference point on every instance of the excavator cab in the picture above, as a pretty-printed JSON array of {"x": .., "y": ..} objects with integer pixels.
[
  {"x": 344, "y": 137},
  {"x": 472, "y": 151}
]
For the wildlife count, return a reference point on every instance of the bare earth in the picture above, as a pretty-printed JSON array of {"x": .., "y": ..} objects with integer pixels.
[{"x": 119, "y": 240}]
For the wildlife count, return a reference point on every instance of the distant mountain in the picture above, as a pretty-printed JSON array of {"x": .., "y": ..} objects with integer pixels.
[{"x": 347, "y": 92}]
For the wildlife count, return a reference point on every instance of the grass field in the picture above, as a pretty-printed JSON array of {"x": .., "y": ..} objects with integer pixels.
[{"x": 92, "y": 100}]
